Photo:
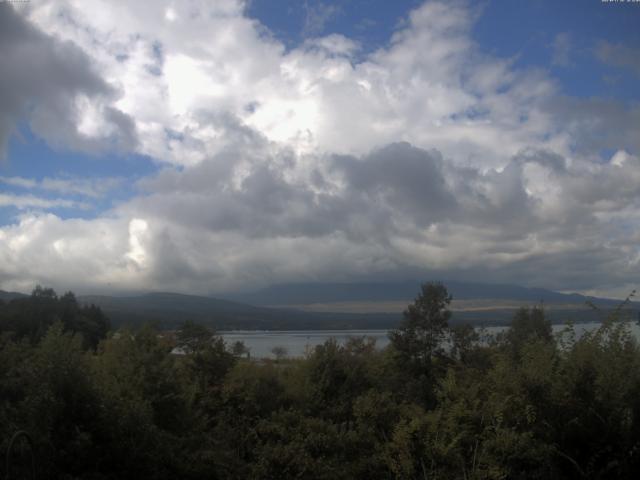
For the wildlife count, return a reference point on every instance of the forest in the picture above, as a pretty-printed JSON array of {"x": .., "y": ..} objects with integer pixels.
[{"x": 79, "y": 400}]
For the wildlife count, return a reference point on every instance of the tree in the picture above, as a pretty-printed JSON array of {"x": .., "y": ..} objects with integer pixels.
[
  {"x": 193, "y": 337},
  {"x": 279, "y": 352},
  {"x": 463, "y": 339},
  {"x": 31, "y": 317},
  {"x": 425, "y": 324},
  {"x": 239, "y": 349},
  {"x": 41, "y": 292},
  {"x": 528, "y": 325},
  {"x": 207, "y": 359}
]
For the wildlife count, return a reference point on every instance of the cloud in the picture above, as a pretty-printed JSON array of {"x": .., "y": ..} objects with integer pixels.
[
  {"x": 619, "y": 55},
  {"x": 205, "y": 61},
  {"x": 425, "y": 157},
  {"x": 43, "y": 248},
  {"x": 52, "y": 84},
  {"x": 86, "y": 187},
  {"x": 561, "y": 50},
  {"x": 333, "y": 44},
  {"x": 398, "y": 212},
  {"x": 29, "y": 201},
  {"x": 592, "y": 124},
  {"x": 317, "y": 15},
  {"x": 71, "y": 193},
  {"x": 184, "y": 70},
  {"x": 19, "y": 182}
]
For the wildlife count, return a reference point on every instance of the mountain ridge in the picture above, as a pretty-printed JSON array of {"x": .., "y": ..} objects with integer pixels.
[
  {"x": 8, "y": 296},
  {"x": 285, "y": 307},
  {"x": 308, "y": 293}
]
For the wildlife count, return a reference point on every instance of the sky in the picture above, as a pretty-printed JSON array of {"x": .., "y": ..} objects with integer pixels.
[{"x": 216, "y": 146}]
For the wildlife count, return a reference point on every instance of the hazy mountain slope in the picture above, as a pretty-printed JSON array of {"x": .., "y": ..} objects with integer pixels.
[
  {"x": 8, "y": 296},
  {"x": 473, "y": 302},
  {"x": 309, "y": 293},
  {"x": 171, "y": 309},
  {"x": 322, "y": 306}
]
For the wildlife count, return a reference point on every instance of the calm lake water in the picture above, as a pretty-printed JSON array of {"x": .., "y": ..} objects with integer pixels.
[{"x": 298, "y": 342}]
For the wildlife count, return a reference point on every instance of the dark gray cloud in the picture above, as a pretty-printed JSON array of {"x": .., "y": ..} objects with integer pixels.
[
  {"x": 381, "y": 193},
  {"x": 399, "y": 211},
  {"x": 41, "y": 80},
  {"x": 402, "y": 176}
]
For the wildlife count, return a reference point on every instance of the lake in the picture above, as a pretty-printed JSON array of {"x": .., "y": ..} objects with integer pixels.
[{"x": 298, "y": 342}]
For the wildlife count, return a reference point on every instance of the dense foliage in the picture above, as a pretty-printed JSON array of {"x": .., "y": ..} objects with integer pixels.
[{"x": 437, "y": 403}]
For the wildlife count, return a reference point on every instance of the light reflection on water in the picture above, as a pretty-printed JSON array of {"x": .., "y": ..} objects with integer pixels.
[{"x": 298, "y": 342}]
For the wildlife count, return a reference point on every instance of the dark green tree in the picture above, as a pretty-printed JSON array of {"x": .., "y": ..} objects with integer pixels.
[
  {"x": 528, "y": 325},
  {"x": 32, "y": 316},
  {"x": 426, "y": 321},
  {"x": 463, "y": 341},
  {"x": 193, "y": 337},
  {"x": 239, "y": 349}
]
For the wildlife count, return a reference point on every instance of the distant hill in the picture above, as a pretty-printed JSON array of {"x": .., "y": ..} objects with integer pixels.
[
  {"x": 169, "y": 310},
  {"x": 309, "y": 293},
  {"x": 476, "y": 303},
  {"x": 336, "y": 306},
  {"x": 8, "y": 296}
]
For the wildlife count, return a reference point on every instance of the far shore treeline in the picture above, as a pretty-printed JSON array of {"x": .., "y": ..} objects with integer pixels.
[{"x": 82, "y": 400}]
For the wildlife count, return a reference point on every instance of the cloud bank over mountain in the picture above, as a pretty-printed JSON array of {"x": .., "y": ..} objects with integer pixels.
[{"x": 428, "y": 156}]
